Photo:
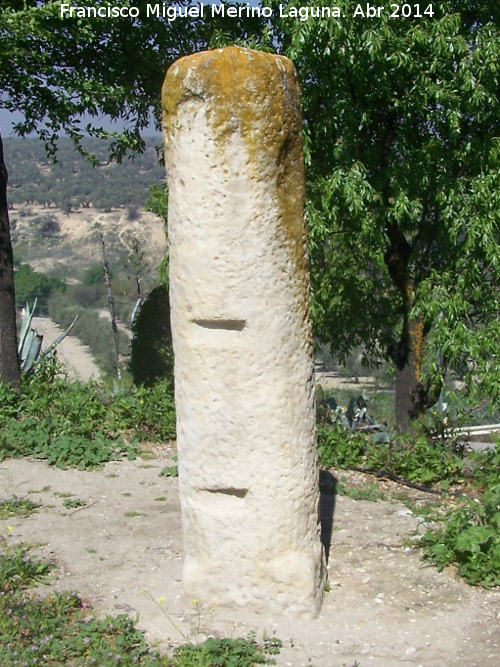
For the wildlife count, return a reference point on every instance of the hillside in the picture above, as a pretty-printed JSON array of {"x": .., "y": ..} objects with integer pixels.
[
  {"x": 54, "y": 210},
  {"x": 54, "y": 205},
  {"x": 73, "y": 181},
  {"x": 64, "y": 243}
]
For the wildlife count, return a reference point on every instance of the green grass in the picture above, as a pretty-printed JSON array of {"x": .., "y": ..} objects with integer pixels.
[
  {"x": 16, "y": 506},
  {"x": 60, "y": 629},
  {"x": 70, "y": 424},
  {"x": 86, "y": 425},
  {"x": 170, "y": 471},
  {"x": 72, "y": 503},
  {"x": 365, "y": 492},
  {"x": 417, "y": 458},
  {"x": 465, "y": 533}
]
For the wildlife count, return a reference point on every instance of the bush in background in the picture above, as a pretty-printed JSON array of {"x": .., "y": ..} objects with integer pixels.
[
  {"x": 152, "y": 358},
  {"x": 81, "y": 425}
]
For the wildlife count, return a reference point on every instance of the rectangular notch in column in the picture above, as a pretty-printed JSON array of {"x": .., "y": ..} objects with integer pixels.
[{"x": 223, "y": 325}]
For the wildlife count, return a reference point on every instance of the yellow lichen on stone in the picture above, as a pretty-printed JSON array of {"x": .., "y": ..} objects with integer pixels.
[
  {"x": 241, "y": 88},
  {"x": 256, "y": 95}
]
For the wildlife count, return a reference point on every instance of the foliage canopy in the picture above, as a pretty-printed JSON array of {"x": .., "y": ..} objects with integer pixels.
[
  {"x": 59, "y": 69},
  {"x": 402, "y": 133}
]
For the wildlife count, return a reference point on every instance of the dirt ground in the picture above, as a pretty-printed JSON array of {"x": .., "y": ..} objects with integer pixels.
[
  {"x": 122, "y": 550},
  {"x": 75, "y": 243},
  {"x": 76, "y": 357}
]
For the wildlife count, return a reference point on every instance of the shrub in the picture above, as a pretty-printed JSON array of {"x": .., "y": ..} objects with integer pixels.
[
  {"x": 151, "y": 356},
  {"x": 416, "y": 458},
  {"x": 81, "y": 425},
  {"x": 31, "y": 285},
  {"x": 146, "y": 412},
  {"x": 94, "y": 275},
  {"x": 469, "y": 539},
  {"x": 340, "y": 448}
]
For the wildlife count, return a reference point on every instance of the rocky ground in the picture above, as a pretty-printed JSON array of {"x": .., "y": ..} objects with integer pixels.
[
  {"x": 121, "y": 548},
  {"x": 119, "y": 544}
]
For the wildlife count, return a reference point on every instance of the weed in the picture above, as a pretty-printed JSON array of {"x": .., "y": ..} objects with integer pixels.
[
  {"x": 64, "y": 423},
  {"x": 17, "y": 570},
  {"x": 170, "y": 471},
  {"x": 148, "y": 413},
  {"x": 365, "y": 492},
  {"x": 339, "y": 448},
  {"x": 415, "y": 458},
  {"x": 70, "y": 424},
  {"x": 469, "y": 539},
  {"x": 59, "y": 629},
  {"x": 44, "y": 489},
  {"x": 17, "y": 507},
  {"x": 71, "y": 503},
  {"x": 229, "y": 652},
  {"x": 469, "y": 536}
]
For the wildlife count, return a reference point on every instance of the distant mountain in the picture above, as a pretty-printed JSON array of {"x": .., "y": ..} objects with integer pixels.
[
  {"x": 73, "y": 182},
  {"x": 54, "y": 206}
]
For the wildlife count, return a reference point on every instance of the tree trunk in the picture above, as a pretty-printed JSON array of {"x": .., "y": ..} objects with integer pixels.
[
  {"x": 111, "y": 304},
  {"x": 407, "y": 354},
  {"x": 409, "y": 389},
  {"x": 9, "y": 363},
  {"x": 410, "y": 393}
]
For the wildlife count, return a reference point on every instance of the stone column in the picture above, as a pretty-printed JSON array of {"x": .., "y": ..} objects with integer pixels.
[{"x": 239, "y": 293}]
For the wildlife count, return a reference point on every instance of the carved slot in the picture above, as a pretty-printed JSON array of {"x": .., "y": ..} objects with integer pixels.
[
  {"x": 225, "y": 325},
  {"x": 231, "y": 491}
]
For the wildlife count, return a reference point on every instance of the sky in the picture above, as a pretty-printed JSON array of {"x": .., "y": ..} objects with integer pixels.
[{"x": 7, "y": 119}]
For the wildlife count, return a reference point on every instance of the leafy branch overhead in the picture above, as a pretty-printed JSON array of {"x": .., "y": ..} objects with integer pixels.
[
  {"x": 56, "y": 70},
  {"x": 59, "y": 70},
  {"x": 402, "y": 129}
]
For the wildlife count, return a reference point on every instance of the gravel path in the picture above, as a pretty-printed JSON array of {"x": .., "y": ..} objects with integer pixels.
[
  {"x": 122, "y": 549},
  {"x": 75, "y": 356}
]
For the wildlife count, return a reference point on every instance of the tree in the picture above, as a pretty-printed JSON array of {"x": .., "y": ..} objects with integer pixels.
[
  {"x": 31, "y": 285},
  {"x": 9, "y": 364},
  {"x": 55, "y": 69},
  {"x": 402, "y": 135},
  {"x": 151, "y": 355}
]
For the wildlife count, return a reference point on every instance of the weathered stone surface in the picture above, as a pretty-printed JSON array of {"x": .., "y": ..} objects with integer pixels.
[{"x": 239, "y": 291}]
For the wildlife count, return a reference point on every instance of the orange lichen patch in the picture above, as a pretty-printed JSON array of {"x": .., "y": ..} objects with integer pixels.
[
  {"x": 255, "y": 95},
  {"x": 417, "y": 338},
  {"x": 241, "y": 88}
]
